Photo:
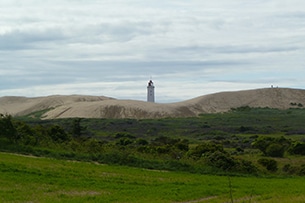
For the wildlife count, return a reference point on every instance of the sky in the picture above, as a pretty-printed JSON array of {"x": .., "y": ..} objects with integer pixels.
[{"x": 114, "y": 47}]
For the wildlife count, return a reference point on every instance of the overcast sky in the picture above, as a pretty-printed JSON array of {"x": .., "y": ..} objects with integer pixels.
[{"x": 113, "y": 47}]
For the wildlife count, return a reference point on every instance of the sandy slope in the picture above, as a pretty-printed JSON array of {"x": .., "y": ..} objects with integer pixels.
[
  {"x": 24, "y": 106},
  {"x": 103, "y": 107}
]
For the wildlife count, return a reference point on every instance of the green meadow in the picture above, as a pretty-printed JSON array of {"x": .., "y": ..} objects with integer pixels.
[{"x": 37, "y": 179}]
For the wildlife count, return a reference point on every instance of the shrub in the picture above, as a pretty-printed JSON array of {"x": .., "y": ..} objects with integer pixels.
[
  {"x": 163, "y": 140},
  {"x": 298, "y": 148},
  {"x": 301, "y": 171},
  {"x": 124, "y": 135},
  {"x": 220, "y": 160},
  {"x": 244, "y": 129},
  {"x": 239, "y": 149},
  {"x": 124, "y": 141},
  {"x": 297, "y": 170},
  {"x": 245, "y": 166},
  {"x": 141, "y": 141},
  {"x": 274, "y": 147},
  {"x": 182, "y": 145},
  {"x": 269, "y": 164},
  {"x": 206, "y": 147},
  {"x": 275, "y": 150},
  {"x": 290, "y": 169},
  {"x": 94, "y": 146},
  {"x": 241, "y": 108},
  {"x": 262, "y": 143}
]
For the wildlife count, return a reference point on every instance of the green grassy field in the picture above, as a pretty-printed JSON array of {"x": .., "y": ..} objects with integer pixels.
[{"x": 32, "y": 179}]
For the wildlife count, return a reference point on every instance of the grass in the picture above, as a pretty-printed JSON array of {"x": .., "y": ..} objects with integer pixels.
[{"x": 32, "y": 179}]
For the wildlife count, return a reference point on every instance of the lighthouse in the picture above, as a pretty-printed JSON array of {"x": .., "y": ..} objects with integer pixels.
[{"x": 150, "y": 91}]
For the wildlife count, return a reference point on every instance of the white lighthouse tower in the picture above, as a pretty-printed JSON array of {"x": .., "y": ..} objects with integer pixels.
[{"x": 151, "y": 91}]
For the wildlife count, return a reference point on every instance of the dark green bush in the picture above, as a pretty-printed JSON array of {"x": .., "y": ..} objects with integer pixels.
[
  {"x": 245, "y": 166},
  {"x": 124, "y": 141},
  {"x": 182, "y": 145},
  {"x": 141, "y": 141},
  {"x": 221, "y": 160},
  {"x": 297, "y": 148},
  {"x": 269, "y": 164},
  {"x": 58, "y": 134},
  {"x": 290, "y": 169},
  {"x": 206, "y": 147},
  {"x": 273, "y": 147},
  {"x": 275, "y": 150},
  {"x": 294, "y": 170},
  {"x": 7, "y": 128}
]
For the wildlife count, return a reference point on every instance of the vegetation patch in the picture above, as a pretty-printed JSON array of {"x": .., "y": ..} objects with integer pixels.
[
  {"x": 29, "y": 179},
  {"x": 36, "y": 114},
  {"x": 245, "y": 142}
]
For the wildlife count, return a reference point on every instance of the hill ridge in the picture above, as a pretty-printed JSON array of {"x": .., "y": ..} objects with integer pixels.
[{"x": 67, "y": 106}]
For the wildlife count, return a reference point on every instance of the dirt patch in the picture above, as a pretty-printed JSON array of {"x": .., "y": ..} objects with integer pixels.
[
  {"x": 81, "y": 193},
  {"x": 205, "y": 199}
]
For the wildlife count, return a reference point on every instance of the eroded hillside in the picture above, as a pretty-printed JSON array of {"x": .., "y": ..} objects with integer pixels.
[{"x": 104, "y": 107}]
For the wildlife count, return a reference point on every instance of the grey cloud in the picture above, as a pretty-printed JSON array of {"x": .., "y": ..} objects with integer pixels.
[
  {"x": 238, "y": 49},
  {"x": 257, "y": 49},
  {"x": 120, "y": 31},
  {"x": 115, "y": 43},
  {"x": 62, "y": 72},
  {"x": 142, "y": 67},
  {"x": 28, "y": 39}
]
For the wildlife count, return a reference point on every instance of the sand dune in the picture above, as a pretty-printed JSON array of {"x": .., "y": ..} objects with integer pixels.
[{"x": 104, "y": 107}]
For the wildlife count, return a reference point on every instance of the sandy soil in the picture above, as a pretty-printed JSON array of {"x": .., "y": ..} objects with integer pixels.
[{"x": 104, "y": 107}]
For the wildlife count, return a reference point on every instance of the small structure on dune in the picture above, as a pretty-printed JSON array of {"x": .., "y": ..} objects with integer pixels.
[{"x": 150, "y": 91}]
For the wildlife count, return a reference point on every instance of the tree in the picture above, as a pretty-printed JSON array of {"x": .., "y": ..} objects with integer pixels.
[
  {"x": 26, "y": 134},
  {"x": 7, "y": 128},
  {"x": 77, "y": 128},
  {"x": 58, "y": 134}
]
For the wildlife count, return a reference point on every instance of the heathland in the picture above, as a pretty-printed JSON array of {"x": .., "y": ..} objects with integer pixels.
[{"x": 247, "y": 153}]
